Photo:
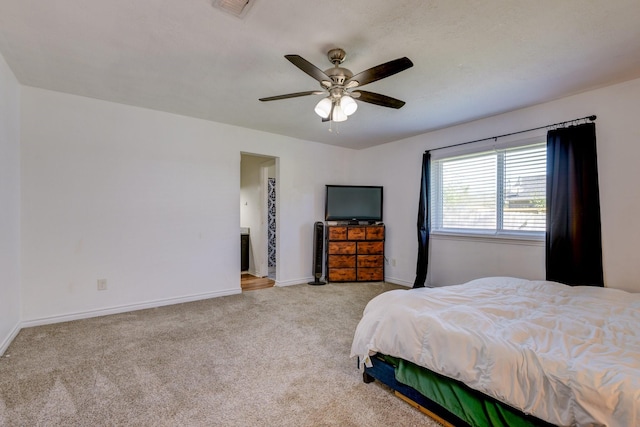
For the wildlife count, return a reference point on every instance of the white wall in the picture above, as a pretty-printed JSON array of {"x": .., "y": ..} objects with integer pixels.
[
  {"x": 149, "y": 201},
  {"x": 10, "y": 201},
  {"x": 397, "y": 167}
]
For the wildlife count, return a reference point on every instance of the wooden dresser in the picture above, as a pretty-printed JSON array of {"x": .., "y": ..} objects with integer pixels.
[{"x": 355, "y": 253}]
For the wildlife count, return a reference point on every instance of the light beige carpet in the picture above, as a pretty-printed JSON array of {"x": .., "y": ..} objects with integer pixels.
[{"x": 272, "y": 357}]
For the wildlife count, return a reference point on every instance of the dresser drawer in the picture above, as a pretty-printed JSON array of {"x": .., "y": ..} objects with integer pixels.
[
  {"x": 341, "y": 248},
  {"x": 342, "y": 275},
  {"x": 356, "y": 233},
  {"x": 368, "y": 248},
  {"x": 375, "y": 232},
  {"x": 370, "y": 274},
  {"x": 341, "y": 261},
  {"x": 337, "y": 233},
  {"x": 370, "y": 261}
]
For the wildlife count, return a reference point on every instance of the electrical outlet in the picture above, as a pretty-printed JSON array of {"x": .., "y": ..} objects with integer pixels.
[
  {"x": 393, "y": 262},
  {"x": 102, "y": 284}
]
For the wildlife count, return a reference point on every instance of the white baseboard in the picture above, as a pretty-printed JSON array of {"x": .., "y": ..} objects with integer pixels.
[
  {"x": 400, "y": 282},
  {"x": 4, "y": 345},
  {"x": 310, "y": 279},
  {"x": 294, "y": 282},
  {"x": 124, "y": 308}
]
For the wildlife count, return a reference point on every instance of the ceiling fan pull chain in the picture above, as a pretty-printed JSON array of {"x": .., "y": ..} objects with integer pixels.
[{"x": 331, "y": 122}]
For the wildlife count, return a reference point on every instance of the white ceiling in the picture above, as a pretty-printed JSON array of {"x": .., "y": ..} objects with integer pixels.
[{"x": 472, "y": 59}]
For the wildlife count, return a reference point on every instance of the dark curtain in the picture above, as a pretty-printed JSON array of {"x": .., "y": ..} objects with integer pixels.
[
  {"x": 573, "y": 239},
  {"x": 424, "y": 223}
]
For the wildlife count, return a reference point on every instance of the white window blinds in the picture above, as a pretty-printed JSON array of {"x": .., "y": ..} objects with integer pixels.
[{"x": 497, "y": 191}]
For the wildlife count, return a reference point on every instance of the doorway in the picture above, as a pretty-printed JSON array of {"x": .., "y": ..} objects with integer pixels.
[{"x": 258, "y": 213}]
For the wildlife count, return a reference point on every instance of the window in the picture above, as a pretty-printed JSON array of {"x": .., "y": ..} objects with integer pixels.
[{"x": 502, "y": 191}]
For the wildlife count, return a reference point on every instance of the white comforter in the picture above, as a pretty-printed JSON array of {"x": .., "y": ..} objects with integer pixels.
[{"x": 568, "y": 355}]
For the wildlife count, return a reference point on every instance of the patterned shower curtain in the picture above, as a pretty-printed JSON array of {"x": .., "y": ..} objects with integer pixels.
[{"x": 271, "y": 221}]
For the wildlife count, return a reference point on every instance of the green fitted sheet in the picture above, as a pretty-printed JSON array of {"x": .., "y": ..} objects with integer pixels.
[{"x": 469, "y": 405}]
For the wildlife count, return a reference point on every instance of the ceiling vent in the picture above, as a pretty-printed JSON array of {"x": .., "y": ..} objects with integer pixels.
[{"x": 236, "y": 8}]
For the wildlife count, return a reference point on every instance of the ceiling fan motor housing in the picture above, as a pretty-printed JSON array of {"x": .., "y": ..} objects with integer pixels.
[{"x": 337, "y": 74}]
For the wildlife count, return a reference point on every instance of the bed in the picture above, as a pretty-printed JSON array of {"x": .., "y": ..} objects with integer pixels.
[{"x": 508, "y": 351}]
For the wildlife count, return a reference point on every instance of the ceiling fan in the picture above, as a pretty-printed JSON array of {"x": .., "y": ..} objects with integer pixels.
[{"x": 338, "y": 85}]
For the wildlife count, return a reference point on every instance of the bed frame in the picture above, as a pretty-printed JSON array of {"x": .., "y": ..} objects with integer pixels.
[{"x": 385, "y": 372}]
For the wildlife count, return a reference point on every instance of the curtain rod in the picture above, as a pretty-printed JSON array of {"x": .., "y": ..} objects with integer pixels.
[{"x": 560, "y": 124}]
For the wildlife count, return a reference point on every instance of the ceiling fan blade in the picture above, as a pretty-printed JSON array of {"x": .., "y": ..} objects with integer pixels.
[
  {"x": 292, "y": 95},
  {"x": 381, "y": 71},
  {"x": 308, "y": 68},
  {"x": 377, "y": 99}
]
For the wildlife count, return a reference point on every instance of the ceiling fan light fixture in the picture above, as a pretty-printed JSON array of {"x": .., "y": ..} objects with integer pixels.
[
  {"x": 338, "y": 114},
  {"x": 323, "y": 108},
  {"x": 348, "y": 105}
]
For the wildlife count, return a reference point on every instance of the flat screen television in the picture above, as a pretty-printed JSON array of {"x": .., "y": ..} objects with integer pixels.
[{"x": 353, "y": 203}]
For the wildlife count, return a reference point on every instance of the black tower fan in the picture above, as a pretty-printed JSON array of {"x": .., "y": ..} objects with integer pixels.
[{"x": 318, "y": 241}]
